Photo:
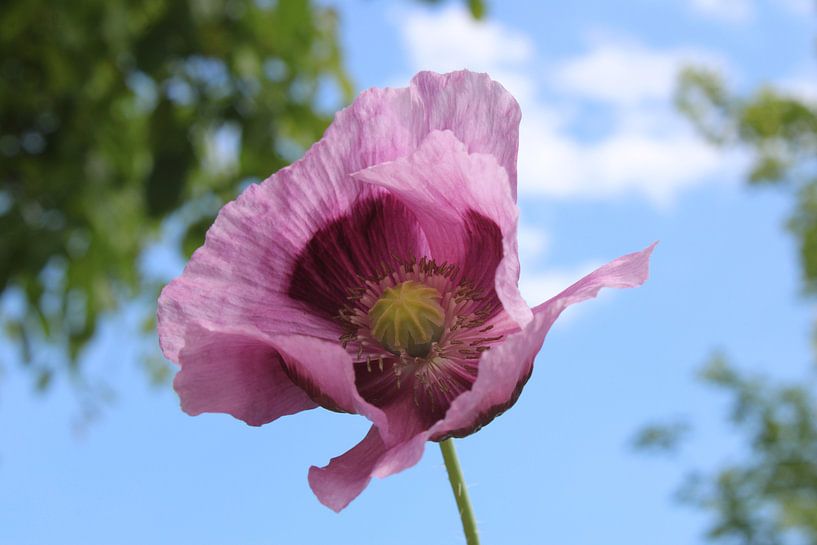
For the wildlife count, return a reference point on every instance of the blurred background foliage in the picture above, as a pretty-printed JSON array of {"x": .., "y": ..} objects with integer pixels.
[
  {"x": 118, "y": 117},
  {"x": 780, "y": 133},
  {"x": 768, "y": 496}
]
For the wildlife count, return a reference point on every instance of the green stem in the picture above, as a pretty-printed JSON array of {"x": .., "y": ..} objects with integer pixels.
[{"x": 452, "y": 465}]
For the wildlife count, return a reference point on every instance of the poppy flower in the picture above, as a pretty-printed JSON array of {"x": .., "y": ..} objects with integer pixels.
[{"x": 376, "y": 276}]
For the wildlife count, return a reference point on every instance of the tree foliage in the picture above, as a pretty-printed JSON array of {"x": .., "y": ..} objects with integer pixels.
[
  {"x": 780, "y": 133},
  {"x": 113, "y": 115},
  {"x": 768, "y": 497}
]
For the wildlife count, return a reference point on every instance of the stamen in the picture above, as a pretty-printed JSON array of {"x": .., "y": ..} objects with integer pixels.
[
  {"x": 426, "y": 324},
  {"x": 407, "y": 317}
]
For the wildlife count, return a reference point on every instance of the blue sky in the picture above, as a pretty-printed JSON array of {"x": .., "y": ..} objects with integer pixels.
[{"x": 606, "y": 167}]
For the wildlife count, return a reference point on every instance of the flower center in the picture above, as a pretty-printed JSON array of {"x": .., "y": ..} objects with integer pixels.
[
  {"x": 408, "y": 318},
  {"x": 418, "y": 328}
]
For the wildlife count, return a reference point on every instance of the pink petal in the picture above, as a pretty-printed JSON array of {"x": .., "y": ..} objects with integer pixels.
[
  {"x": 241, "y": 275},
  {"x": 258, "y": 378},
  {"x": 347, "y": 475},
  {"x": 237, "y": 375},
  {"x": 504, "y": 369},
  {"x": 464, "y": 205},
  {"x": 479, "y": 111},
  {"x": 395, "y": 441},
  {"x": 384, "y": 451},
  {"x": 401, "y": 456},
  {"x": 384, "y": 124},
  {"x": 325, "y": 371}
]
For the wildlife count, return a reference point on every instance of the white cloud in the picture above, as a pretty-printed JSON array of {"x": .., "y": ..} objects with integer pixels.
[
  {"x": 648, "y": 149},
  {"x": 644, "y": 150},
  {"x": 656, "y": 160},
  {"x": 467, "y": 41},
  {"x": 629, "y": 73},
  {"x": 451, "y": 39},
  {"x": 618, "y": 70},
  {"x": 732, "y": 11}
]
